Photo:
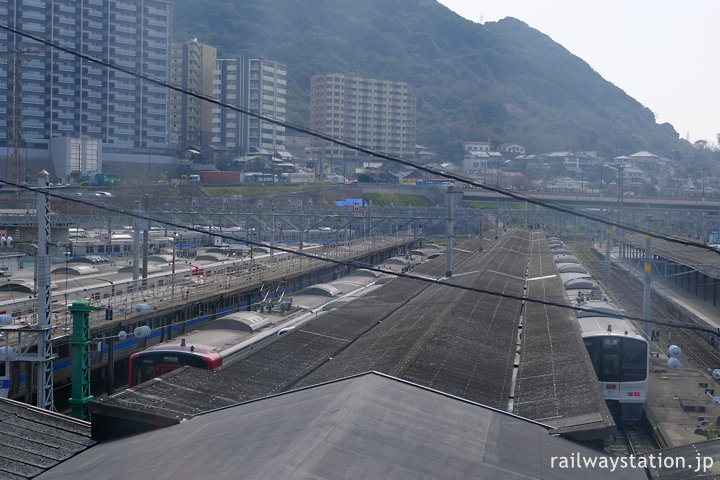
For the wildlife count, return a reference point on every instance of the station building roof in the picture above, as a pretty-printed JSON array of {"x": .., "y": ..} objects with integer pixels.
[
  {"x": 33, "y": 440},
  {"x": 703, "y": 260},
  {"x": 367, "y": 426}
]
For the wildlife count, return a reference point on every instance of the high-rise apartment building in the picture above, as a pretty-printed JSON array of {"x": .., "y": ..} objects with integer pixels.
[
  {"x": 258, "y": 85},
  {"x": 377, "y": 114},
  {"x": 50, "y": 93},
  {"x": 192, "y": 67}
]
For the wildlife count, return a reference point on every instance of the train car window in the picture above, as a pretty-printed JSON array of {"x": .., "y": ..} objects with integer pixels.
[
  {"x": 3, "y": 370},
  {"x": 634, "y": 360}
]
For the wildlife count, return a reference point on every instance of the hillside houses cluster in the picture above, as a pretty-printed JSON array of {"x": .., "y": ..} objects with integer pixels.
[{"x": 510, "y": 167}]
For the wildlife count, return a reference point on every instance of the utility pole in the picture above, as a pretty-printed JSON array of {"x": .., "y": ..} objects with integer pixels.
[
  {"x": 621, "y": 191},
  {"x": 647, "y": 287},
  {"x": 272, "y": 237},
  {"x": 136, "y": 247},
  {"x": 450, "y": 227},
  {"x": 146, "y": 241},
  {"x": 608, "y": 260},
  {"x": 480, "y": 231}
]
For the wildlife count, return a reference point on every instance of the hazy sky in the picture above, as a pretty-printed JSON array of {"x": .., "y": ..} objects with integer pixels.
[{"x": 660, "y": 52}]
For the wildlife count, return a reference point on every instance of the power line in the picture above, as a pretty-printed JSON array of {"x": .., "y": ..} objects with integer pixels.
[
  {"x": 357, "y": 147},
  {"x": 362, "y": 149},
  {"x": 359, "y": 264}
]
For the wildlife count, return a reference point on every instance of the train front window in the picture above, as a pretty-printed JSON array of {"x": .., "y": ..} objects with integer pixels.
[
  {"x": 593, "y": 347},
  {"x": 634, "y": 360},
  {"x": 610, "y": 371},
  {"x": 143, "y": 370},
  {"x": 149, "y": 366}
]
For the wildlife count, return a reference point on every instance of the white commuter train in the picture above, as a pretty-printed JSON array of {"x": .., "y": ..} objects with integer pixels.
[{"x": 618, "y": 351}]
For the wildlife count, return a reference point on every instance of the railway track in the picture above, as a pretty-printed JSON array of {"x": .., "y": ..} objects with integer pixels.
[{"x": 695, "y": 348}]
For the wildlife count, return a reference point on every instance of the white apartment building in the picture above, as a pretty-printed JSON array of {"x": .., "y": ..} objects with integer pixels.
[
  {"x": 192, "y": 67},
  {"x": 377, "y": 114},
  {"x": 51, "y": 93},
  {"x": 258, "y": 85}
]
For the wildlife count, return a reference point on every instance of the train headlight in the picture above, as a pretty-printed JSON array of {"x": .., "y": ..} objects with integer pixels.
[{"x": 674, "y": 351}]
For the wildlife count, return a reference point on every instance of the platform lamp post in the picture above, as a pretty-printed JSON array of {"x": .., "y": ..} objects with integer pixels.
[{"x": 80, "y": 345}]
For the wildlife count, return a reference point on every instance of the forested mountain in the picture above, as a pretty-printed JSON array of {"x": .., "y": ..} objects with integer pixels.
[{"x": 500, "y": 81}]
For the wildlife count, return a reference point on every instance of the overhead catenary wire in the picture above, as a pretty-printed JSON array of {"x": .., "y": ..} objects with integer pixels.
[
  {"x": 359, "y": 148},
  {"x": 354, "y": 146}
]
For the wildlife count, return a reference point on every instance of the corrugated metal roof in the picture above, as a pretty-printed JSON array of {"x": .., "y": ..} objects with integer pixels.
[
  {"x": 33, "y": 440},
  {"x": 367, "y": 426},
  {"x": 457, "y": 341}
]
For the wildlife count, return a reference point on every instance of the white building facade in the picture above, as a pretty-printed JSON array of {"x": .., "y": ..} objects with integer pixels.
[
  {"x": 51, "y": 93},
  {"x": 378, "y": 114},
  {"x": 258, "y": 85}
]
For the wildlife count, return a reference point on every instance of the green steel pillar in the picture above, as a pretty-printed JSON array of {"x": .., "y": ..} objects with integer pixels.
[{"x": 80, "y": 345}]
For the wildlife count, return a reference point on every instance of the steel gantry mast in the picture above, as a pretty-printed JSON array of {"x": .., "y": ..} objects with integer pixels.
[
  {"x": 44, "y": 329},
  {"x": 25, "y": 342}
]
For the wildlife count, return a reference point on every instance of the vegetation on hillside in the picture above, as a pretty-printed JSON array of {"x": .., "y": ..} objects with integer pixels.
[{"x": 501, "y": 81}]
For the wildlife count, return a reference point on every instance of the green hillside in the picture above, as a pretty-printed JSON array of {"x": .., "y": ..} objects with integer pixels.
[{"x": 501, "y": 81}]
